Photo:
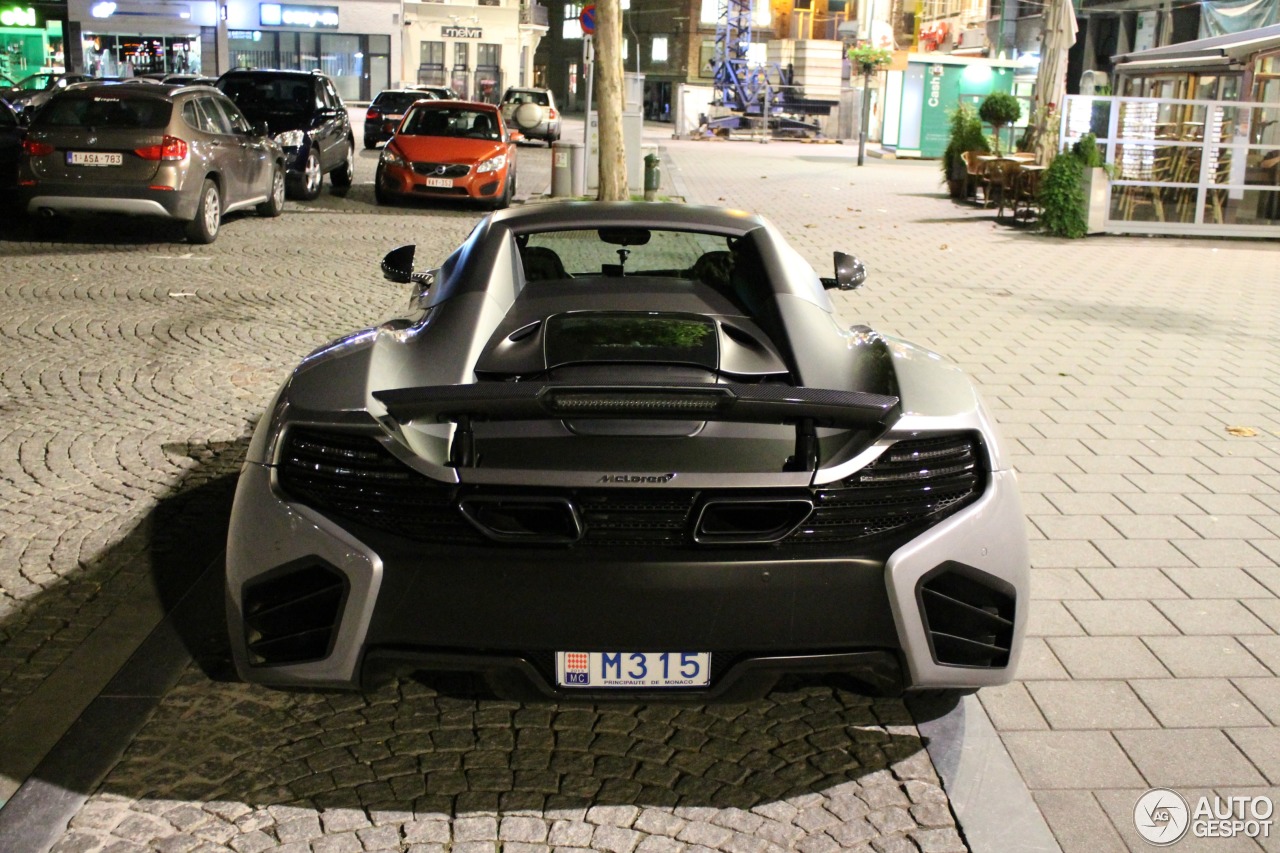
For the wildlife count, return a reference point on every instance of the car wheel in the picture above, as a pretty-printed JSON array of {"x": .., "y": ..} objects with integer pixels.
[
  {"x": 311, "y": 178},
  {"x": 504, "y": 201},
  {"x": 204, "y": 227},
  {"x": 343, "y": 175},
  {"x": 274, "y": 205},
  {"x": 370, "y": 144},
  {"x": 380, "y": 195}
]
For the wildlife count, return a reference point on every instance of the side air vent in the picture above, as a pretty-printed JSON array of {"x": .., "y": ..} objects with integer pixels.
[
  {"x": 292, "y": 616},
  {"x": 968, "y": 616},
  {"x": 746, "y": 520}
]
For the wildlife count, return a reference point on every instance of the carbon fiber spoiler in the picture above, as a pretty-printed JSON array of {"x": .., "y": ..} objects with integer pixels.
[{"x": 807, "y": 408}]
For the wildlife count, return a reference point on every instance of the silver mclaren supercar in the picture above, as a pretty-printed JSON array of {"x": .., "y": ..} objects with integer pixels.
[{"x": 626, "y": 451}]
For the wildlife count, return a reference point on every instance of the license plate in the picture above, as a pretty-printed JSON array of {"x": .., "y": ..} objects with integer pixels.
[
  {"x": 94, "y": 158},
  {"x": 440, "y": 182},
  {"x": 633, "y": 669}
]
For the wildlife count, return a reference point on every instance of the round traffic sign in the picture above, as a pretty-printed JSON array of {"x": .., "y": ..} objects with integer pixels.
[{"x": 588, "y": 19}]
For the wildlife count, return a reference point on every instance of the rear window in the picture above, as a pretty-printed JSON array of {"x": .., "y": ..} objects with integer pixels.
[
  {"x": 260, "y": 96},
  {"x": 539, "y": 98},
  {"x": 398, "y": 102},
  {"x": 101, "y": 111}
]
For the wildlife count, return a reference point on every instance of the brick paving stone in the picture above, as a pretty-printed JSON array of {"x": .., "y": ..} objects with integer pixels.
[
  {"x": 1107, "y": 657},
  {"x": 1187, "y": 757},
  {"x": 1090, "y": 705}
]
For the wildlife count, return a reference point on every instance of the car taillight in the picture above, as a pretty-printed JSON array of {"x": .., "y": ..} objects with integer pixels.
[
  {"x": 372, "y": 115},
  {"x": 552, "y": 114},
  {"x": 36, "y": 149},
  {"x": 172, "y": 148}
]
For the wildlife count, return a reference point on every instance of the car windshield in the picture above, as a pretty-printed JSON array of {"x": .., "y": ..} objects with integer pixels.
[
  {"x": 398, "y": 102},
  {"x": 258, "y": 97},
  {"x": 37, "y": 82},
  {"x": 450, "y": 121},
  {"x": 102, "y": 111},
  {"x": 628, "y": 251}
]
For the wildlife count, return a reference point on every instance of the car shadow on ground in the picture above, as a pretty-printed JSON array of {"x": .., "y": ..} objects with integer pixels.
[{"x": 217, "y": 758}]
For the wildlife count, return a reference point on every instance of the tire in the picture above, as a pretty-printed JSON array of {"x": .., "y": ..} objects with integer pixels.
[
  {"x": 343, "y": 175},
  {"x": 380, "y": 195},
  {"x": 504, "y": 201},
  {"x": 370, "y": 144},
  {"x": 208, "y": 219},
  {"x": 274, "y": 205},
  {"x": 308, "y": 185}
]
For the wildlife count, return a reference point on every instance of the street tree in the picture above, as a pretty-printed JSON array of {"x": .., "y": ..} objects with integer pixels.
[{"x": 613, "y": 163}]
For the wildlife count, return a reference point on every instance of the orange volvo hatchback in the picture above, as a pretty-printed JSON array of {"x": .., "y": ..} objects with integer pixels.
[{"x": 449, "y": 150}]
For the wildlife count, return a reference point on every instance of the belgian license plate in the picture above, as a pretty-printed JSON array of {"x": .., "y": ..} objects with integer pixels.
[
  {"x": 439, "y": 182},
  {"x": 633, "y": 669},
  {"x": 94, "y": 158}
]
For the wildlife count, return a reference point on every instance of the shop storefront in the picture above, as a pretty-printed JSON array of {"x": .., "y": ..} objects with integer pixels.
[
  {"x": 32, "y": 38},
  {"x": 919, "y": 100},
  {"x": 352, "y": 43},
  {"x": 118, "y": 38}
]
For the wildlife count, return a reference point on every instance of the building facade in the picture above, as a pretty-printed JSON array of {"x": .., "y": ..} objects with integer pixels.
[{"x": 477, "y": 48}]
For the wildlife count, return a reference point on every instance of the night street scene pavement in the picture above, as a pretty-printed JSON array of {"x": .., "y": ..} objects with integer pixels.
[{"x": 1134, "y": 380}]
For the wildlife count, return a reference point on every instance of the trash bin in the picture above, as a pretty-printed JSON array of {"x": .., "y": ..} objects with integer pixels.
[{"x": 566, "y": 170}]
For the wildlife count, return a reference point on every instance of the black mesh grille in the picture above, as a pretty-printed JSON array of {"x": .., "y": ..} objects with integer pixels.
[
  {"x": 917, "y": 481},
  {"x": 451, "y": 170},
  {"x": 291, "y": 617},
  {"x": 913, "y": 484},
  {"x": 969, "y": 619}
]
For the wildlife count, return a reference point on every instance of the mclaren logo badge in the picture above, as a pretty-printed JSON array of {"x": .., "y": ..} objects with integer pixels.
[{"x": 636, "y": 478}]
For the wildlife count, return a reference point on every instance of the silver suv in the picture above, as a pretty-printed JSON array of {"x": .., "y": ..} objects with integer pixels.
[
  {"x": 533, "y": 112},
  {"x": 177, "y": 152}
]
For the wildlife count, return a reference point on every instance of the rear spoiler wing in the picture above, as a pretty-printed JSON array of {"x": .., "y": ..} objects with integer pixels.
[{"x": 807, "y": 408}]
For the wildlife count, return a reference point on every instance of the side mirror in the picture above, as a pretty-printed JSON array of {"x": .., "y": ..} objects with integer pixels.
[
  {"x": 851, "y": 273},
  {"x": 515, "y": 136},
  {"x": 397, "y": 266},
  {"x": 259, "y": 128}
]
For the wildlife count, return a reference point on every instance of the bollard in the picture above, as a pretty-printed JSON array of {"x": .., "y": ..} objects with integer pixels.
[{"x": 652, "y": 176}]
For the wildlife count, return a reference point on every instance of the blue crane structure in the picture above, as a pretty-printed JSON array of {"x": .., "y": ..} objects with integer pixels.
[{"x": 753, "y": 92}]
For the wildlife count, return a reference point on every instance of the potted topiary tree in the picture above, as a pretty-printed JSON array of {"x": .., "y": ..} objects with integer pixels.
[
  {"x": 966, "y": 135},
  {"x": 999, "y": 109}
]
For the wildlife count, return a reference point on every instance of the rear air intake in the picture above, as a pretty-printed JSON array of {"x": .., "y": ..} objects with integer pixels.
[
  {"x": 968, "y": 616},
  {"x": 292, "y": 617}
]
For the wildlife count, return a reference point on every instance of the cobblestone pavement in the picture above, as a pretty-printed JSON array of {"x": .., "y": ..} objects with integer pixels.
[{"x": 134, "y": 369}]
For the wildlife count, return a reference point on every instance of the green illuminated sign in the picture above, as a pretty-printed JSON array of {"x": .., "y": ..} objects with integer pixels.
[{"x": 17, "y": 16}]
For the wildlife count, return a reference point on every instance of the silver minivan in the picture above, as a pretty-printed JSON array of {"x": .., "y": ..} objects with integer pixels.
[{"x": 177, "y": 152}]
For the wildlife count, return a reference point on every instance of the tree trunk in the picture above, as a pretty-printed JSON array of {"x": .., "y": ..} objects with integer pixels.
[{"x": 613, "y": 161}]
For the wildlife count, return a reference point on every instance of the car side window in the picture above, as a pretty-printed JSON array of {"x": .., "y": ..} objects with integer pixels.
[
  {"x": 214, "y": 120},
  {"x": 334, "y": 99},
  {"x": 191, "y": 115},
  {"x": 233, "y": 118}
]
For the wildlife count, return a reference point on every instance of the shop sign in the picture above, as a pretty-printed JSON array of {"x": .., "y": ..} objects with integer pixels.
[
  {"x": 19, "y": 16},
  {"x": 292, "y": 15},
  {"x": 461, "y": 32}
]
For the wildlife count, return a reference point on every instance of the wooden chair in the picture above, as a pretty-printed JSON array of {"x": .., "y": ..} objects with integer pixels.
[
  {"x": 998, "y": 182},
  {"x": 972, "y": 172}
]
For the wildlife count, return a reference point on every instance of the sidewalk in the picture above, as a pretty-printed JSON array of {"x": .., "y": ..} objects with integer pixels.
[{"x": 1137, "y": 381}]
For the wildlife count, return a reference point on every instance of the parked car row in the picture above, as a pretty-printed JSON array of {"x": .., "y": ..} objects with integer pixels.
[{"x": 177, "y": 148}]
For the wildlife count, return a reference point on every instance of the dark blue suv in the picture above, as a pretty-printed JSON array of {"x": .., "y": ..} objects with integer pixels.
[{"x": 305, "y": 114}]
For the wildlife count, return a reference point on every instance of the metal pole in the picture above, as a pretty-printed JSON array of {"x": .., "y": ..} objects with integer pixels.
[
  {"x": 866, "y": 115},
  {"x": 588, "y": 61}
]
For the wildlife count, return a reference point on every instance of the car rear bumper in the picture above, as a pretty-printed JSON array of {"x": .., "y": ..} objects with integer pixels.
[
  {"x": 505, "y": 611},
  {"x": 168, "y": 204}
]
